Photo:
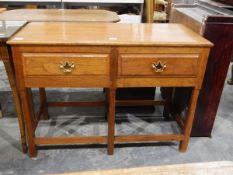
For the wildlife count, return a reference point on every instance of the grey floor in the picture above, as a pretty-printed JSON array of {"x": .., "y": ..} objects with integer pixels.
[{"x": 76, "y": 121}]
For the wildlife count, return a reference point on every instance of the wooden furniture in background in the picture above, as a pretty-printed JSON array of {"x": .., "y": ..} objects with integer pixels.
[
  {"x": 230, "y": 80},
  {"x": 31, "y": 6},
  {"x": 40, "y": 15},
  {"x": 1, "y": 10},
  {"x": 74, "y": 15},
  {"x": 1, "y": 115},
  {"x": 157, "y": 10},
  {"x": 215, "y": 23},
  {"x": 113, "y": 56},
  {"x": 7, "y": 29}
]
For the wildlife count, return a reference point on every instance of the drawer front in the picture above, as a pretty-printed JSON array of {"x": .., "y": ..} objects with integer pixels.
[
  {"x": 65, "y": 64},
  {"x": 158, "y": 64}
]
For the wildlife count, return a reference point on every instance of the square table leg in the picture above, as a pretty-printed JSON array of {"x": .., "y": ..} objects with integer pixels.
[
  {"x": 0, "y": 111},
  {"x": 27, "y": 108},
  {"x": 189, "y": 120},
  {"x": 111, "y": 119}
]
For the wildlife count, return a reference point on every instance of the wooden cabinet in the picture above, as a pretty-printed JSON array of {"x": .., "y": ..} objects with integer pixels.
[
  {"x": 214, "y": 21},
  {"x": 113, "y": 56}
]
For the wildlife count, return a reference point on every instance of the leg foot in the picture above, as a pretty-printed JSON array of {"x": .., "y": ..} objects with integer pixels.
[
  {"x": 110, "y": 151},
  {"x": 28, "y": 112},
  {"x": 189, "y": 121},
  {"x": 33, "y": 153},
  {"x": 24, "y": 148},
  {"x": 183, "y": 146},
  {"x": 1, "y": 113},
  {"x": 230, "y": 81}
]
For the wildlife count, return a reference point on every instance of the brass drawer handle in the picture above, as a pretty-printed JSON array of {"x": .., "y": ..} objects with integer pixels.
[
  {"x": 67, "y": 67},
  {"x": 159, "y": 66}
]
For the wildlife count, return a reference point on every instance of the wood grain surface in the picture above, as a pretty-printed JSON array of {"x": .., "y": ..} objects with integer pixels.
[
  {"x": 141, "y": 65},
  {"x": 74, "y": 15},
  {"x": 49, "y": 64},
  {"x": 38, "y": 49},
  {"x": 70, "y": 33}
]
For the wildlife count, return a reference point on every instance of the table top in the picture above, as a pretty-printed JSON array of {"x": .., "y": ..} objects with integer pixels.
[
  {"x": 104, "y": 1},
  {"x": 72, "y": 15},
  {"x": 8, "y": 28},
  {"x": 30, "y": 1},
  {"x": 80, "y": 1},
  {"x": 70, "y": 33}
]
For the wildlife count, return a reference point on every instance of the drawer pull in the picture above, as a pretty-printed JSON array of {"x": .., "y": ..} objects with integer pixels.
[
  {"x": 67, "y": 67},
  {"x": 159, "y": 66}
]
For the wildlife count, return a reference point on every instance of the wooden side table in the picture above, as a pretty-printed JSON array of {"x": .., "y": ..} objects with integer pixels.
[{"x": 112, "y": 56}]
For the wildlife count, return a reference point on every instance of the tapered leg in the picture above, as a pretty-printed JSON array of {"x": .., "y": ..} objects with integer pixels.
[
  {"x": 230, "y": 81},
  {"x": 43, "y": 103},
  {"x": 189, "y": 121},
  {"x": 29, "y": 121},
  {"x": 11, "y": 78},
  {"x": 111, "y": 120},
  {"x": 0, "y": 111}
]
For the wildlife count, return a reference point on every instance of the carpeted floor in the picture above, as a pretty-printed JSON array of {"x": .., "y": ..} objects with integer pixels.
[{"x": 87, "y": 121}]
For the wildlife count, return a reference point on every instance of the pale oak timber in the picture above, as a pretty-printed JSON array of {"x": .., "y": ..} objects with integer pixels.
[
  {"x": 106, "y": 45},
  {"x": 108, "y": 34},
  {"x": 85, "y": 64},
  {"x": 60, "y": 15},
  {"x": 69, "y": 140},
  {"x": 189, "y": 120},
  {"x": 148, "y": 138},
  {"x": 133, "y": 64}
]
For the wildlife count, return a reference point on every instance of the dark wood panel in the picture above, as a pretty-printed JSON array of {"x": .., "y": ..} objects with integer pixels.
[{"x": 220, "y": 32}]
